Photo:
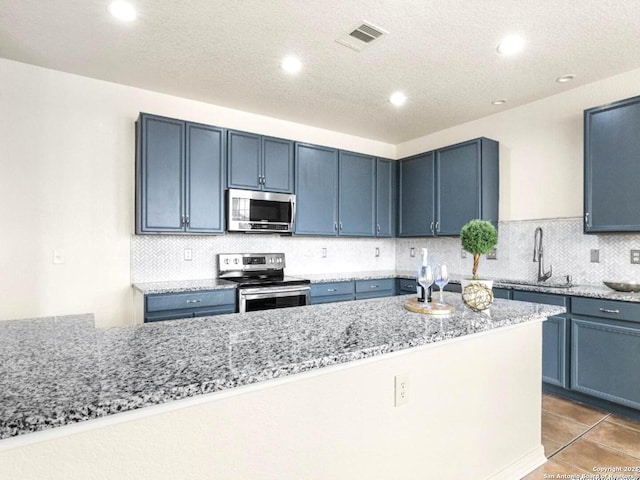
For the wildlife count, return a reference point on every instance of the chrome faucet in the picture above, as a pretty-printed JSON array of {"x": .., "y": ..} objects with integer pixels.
[{"x": 537, "y": 256}]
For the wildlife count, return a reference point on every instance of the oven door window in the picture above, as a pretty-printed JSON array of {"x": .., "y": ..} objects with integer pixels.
[
  {"x": 270, "y": 211},
  {"x": 251, "y": 300}
]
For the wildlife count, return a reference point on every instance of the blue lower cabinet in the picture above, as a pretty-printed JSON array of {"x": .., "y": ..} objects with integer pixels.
[
  {"x": 605, "y": 359},
  {"x": 450, "y": 287},
  {"x": 329, "y": 292},
  {"x": 385, "y": 287},
  {"x": 406, "y": 286},
  {"x": 501, "y": 293},
  {"x": 171, "y": 306},
  {"x": 555, "y": 336}
]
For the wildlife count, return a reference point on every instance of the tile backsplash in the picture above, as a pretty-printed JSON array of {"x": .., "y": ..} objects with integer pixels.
[{"x": 566, "y": 249}]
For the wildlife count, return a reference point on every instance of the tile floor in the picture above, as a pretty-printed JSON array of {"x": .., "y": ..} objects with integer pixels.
[{"x": 578, "y": 438}]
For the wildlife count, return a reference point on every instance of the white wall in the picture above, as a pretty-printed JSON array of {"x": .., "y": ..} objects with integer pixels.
[
  {"x": 67, "y": 182},
  {"x": 541, "y": 148}
]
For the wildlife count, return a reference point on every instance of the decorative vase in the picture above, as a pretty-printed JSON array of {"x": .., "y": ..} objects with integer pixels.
[{"x": 477, "y": 294}]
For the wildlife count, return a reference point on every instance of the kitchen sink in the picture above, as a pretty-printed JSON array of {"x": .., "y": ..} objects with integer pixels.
[{"x": 525, "y": 283}]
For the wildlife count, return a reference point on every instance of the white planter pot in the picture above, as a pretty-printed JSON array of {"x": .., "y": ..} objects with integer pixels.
[{"x": 477, "y": 303}]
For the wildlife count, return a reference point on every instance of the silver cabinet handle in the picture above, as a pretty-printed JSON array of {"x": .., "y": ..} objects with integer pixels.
[
  {"x": 606, "y": 310},
  {"x": 373, "y": 286},
  {"x": 431, "y": 227},
  {"x": 331, "y": 289},
  {"x": 340, "y": 226},
  {"x": 182, "y": 222},
  {"x": 335, "y": 225},
  {"x": 198, "y": 300},
  {"x": 378, "y": 227},
  {"x": 586, "y": 219},
  {"x": 186, "y": 220},
  {"x": 437, "y": 226}
]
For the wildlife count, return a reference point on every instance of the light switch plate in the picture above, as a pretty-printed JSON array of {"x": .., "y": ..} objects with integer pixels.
[
  {"x": 492, "y": 255},
  {"x": 324, "y": 252},
  {"x": 188, "y": 254},
  {"x": 58, "y": 256},
  {"x": 635, "y": 256},
  {"x": 595, "y": 255},
  {"x": 463, "y": 253}
]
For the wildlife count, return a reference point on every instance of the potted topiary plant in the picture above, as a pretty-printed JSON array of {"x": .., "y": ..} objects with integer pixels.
[{"x": 478, "y": 237}]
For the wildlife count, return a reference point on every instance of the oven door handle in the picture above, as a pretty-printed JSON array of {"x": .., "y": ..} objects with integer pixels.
[{"x": 258, "y": 293}]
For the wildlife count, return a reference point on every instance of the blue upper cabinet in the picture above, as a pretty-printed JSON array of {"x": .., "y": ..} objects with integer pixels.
[
  {"x": 386, "y": 179},
  {"x": 466, "y": 185},
  {"x": 441, "y": 191},
  {"x": 260, "y": 163},
  {"x": 416, "y": 205},
  {"x": 277, "y": 165},
  {"x": 205, "y": 179},
  {"x": 179, "y": 176},
  {"x": 357, "y": 192},
  {"x": 316, "y": 173},
  {"x": 612, "y": 167}
]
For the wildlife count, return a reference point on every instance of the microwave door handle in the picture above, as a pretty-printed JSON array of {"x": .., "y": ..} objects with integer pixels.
[{"x": 293, "y": 213}]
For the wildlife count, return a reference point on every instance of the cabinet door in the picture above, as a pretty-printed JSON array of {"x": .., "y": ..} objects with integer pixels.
[
  {"x": 416, "y": 196},
  {"x": 385, "y": 197},
  {"x": 316, "y": 170},
  {"x": 554, "y": 351},
  {"x": 612, "y": 167},
  {"x": 277, "y": 167},
  {"x": 357, "y": 186},
  {"x": 160, "y": 170},
  {"x": 244, "y": 160},
  {"x": 205, "y": 175},
  {"x": 457, "y": 186},
  {"x": 605, "y": 359}
]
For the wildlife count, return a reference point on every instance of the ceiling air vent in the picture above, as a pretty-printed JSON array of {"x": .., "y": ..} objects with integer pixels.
[{"x": 361, "y": 36}]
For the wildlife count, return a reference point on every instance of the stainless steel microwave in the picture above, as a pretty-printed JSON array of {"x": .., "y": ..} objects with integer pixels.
[{"x": 251, "y": 211}]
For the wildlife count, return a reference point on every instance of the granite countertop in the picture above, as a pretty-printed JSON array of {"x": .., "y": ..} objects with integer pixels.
[
  {"x": 58, "y": 371},
  {"x": 177, "y": 286},
  {"x": 590, "y": 291}
]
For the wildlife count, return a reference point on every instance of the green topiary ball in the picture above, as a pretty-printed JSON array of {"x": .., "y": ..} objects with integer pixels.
[{"x": 478, "y": 237}]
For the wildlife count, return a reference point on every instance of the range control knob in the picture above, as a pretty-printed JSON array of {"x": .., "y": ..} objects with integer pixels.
[
  {"x": 226, "y": 261},
  {"x": 236, "y": 261}
]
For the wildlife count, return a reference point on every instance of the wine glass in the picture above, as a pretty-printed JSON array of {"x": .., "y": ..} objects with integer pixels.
[
  {"x": 425, "y": 277},
  {"x": 441, "y": 279}
]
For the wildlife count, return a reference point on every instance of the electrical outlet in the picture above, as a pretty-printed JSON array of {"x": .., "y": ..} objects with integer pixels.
[
  {"x": 492, "y": 255},
  {"x": 635, "y": 256},
  {"x": 595, "y": 255},
  {"x": 401, "y": 389},
  {"x": 463, "y": 253},
  {"x": 188, "y": 254},
  {"x": 412, "y": 252},
  {"x": 324, "y": 253},
  {"x": 377, "y": 252}
]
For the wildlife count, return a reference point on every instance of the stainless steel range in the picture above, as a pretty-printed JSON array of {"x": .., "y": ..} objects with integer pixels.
[{"x": 261, "y": 281}]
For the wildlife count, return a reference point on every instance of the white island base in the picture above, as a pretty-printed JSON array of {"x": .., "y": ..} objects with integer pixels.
[{"x": 473, "y": 413}]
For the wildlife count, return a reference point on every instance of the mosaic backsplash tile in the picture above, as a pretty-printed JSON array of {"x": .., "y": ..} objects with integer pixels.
[{"x": 566, "y": 249}]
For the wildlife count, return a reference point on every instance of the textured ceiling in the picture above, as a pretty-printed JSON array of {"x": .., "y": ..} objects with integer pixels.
[{"x": 440, "y": 53}]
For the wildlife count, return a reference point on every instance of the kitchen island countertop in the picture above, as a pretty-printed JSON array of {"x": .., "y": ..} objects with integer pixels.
[{"x": 58, "y": 371}]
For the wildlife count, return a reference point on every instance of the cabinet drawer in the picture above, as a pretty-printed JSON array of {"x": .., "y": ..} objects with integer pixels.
[
  {"x": 192, "y": 300},
  {"x": 450, "y": 287},
  {"x": 367, "y": 286},
  {"x": 546, "y": 298},
  {"x": 406, "y": 286},
  {"x": 501, "y": 293},
  {"x": 331, "y": 289},
  {"x": 612, "y": 309}
]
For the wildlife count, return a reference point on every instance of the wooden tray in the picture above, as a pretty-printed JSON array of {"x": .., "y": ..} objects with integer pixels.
[{"x": 413, "y": 305}]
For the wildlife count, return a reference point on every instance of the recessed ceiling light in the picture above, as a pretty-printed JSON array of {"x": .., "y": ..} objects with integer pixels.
[
  {"x": 122, "y": 11},
  {"x": 291, "y": 64},
  {"x": 565, "y": 78},
  {"x": 502, "y": 101},
  {"x": 398, "y": 99},
  {"x": 510, "y": 45}
]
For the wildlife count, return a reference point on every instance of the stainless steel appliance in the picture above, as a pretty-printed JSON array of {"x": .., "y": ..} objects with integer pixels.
[
  {"x": 249, "y": 211},
  {"x": 261, "y": 281}
]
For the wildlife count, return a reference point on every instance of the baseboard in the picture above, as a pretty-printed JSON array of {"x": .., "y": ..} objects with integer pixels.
[{"x": 523, "y": 466}]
